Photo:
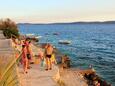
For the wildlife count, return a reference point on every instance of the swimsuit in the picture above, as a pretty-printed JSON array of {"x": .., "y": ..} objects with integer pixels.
[
  {"x": 28, "y": 56},
  {"x": 48, "y": 56}
]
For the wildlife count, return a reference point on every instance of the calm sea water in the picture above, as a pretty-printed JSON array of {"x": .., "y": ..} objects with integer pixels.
[{"x": 91, "y": 44}]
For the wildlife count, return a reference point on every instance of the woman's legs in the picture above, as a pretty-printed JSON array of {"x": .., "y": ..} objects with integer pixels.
[
  {"x": 25, "y": 65},
  {"x": 29, "y": 58}
]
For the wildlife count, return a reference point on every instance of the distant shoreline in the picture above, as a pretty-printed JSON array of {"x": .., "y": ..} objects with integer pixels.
[{"x": 95, "y": 22}]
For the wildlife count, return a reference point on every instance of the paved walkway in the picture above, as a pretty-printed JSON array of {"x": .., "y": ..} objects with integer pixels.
[{"x": 37, "y": 76}]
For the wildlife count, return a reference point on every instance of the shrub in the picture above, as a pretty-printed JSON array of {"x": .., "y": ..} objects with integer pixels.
[{"x": 9, "y": 28}]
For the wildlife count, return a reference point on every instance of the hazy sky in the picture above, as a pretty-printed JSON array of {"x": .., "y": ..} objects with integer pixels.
[{"x": 45, "y": 11}]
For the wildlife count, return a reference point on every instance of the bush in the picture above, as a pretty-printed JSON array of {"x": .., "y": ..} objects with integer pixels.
[{"x": 9, "y": 28}]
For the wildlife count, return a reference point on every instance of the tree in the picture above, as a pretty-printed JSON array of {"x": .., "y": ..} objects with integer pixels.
[{"x": 9, "y": 28}]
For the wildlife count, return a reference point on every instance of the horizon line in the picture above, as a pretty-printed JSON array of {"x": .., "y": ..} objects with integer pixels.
[{"x": 108, "y": 21}]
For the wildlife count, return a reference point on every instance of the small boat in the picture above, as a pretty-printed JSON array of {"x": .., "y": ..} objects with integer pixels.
[
  {"x": 33, "y": 36},
  {"x": 64, "y": 42},
  {"x": 30, "y": 35},
  {"x": 38, "y": 37},
  {"x": 55, "y": 33},
  {"x": 47, "y": 34}
]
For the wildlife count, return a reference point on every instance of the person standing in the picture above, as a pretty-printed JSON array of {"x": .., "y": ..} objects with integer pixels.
[
  {"x": 27, "y": 44},
  {"x": 24, "y": 58},
  {"x": 49, "y": 52}
]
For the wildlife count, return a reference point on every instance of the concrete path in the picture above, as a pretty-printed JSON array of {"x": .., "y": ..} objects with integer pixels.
[{"x": 37, "y": 76}]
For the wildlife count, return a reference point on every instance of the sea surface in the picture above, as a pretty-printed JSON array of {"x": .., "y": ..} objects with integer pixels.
[{"x": 91, "y": 44}]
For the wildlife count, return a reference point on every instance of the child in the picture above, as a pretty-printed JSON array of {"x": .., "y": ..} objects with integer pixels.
[{"x": 41, "y": 56}]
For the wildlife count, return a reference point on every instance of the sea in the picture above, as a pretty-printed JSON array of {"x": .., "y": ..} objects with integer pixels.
[{"x": 91, "y": 44}]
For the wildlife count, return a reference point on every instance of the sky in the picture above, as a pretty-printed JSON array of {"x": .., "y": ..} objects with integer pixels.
[{"x": 48, "y": 11}]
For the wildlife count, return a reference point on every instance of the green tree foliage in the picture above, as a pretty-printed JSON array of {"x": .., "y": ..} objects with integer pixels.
[{"x": 9, "y": 28}]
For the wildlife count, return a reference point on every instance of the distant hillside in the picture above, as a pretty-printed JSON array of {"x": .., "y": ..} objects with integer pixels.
[{"x": 97, "y": 22}]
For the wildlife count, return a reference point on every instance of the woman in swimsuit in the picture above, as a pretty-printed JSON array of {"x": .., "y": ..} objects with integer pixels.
[
  {"x": 24, "y": 58},
  {"x": 27, "y": 44}
]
